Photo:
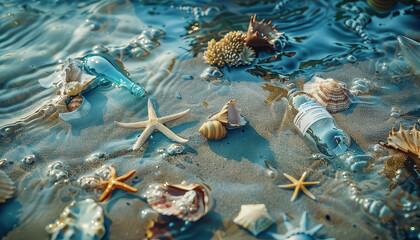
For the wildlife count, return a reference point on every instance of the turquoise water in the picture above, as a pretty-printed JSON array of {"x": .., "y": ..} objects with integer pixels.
[{"x": 245, "y": 167}]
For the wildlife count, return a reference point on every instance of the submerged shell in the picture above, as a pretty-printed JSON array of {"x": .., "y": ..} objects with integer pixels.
[
  {"x": 7, "y": 187},
  {"x": 381, "y": 5},
  {"x": 261, "y": 35},
  {"x": 79, "y": 220},
  {"x": 405, "y": 140},
  {"x": 230, "y": 116},
  {"x": 329, "y": 93},
  {"x": 78, "y": 108},
  {"x": 187, "y": 201},
  {"x": 254, "y": 217},
  {"x": 213, "y": 130},
  {"x": 73, "y": 79},
  {"x": 230, "y": 50}
]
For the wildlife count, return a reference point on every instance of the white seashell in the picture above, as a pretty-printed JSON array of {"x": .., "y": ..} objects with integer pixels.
[
  {"x": 329, "y": 93},
  {"x": 213, "y": 130},
  {"x": 230, "y": 116},
  {"x": 77, "y": 113},
  {"x": 187, "y": 201},
  {"x": 73, "y": 79},
  {"x": 7, "y": 187},
  {"x": 404, "y": 140},
  {"x": 79, "y": 220},
  {"x": 254, "y": 217}
]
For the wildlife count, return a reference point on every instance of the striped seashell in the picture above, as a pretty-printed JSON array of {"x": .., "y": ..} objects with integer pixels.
[
  {"x": 75, "y": 103},
  {"x": 7, "y": 187},
  {"x": 187, "y": 201},
  {"x": 405, "y": 140},
  {"x": 329, "y": 93},
  {"x": 230, "y": 116},
  {"x": 213, "y": 130}
]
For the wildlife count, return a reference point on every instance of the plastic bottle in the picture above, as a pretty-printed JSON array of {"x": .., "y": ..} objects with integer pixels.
[{"x": 315, "y": 123}]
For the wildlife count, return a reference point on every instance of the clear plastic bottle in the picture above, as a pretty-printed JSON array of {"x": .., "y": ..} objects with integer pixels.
[{"x": 317, "y": 124}]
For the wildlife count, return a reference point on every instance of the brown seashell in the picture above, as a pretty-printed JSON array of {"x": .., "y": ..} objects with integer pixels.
[
  {"x": 230, "y": 116},
  {"x": 329, "y": 93},
  {"x": 7, "y": 187},
  {"x": 187, "y": 201},
  {"x": 405, "y": 140},
  {"x": 213, "y": 130},
  {"x": 75, "y": 103},
  {"x": 260, "y": 35}
]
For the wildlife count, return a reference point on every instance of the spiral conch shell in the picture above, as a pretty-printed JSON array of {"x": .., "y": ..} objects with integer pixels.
[
  {"x": 405, "y": 140},
  {"x": 230, "y": 115},
  {"x": 6, "y": 187},
  {"x": 213, "y": 130},
  {"x": 187, "y": 201},
  {"x": 329, "y": 93}
]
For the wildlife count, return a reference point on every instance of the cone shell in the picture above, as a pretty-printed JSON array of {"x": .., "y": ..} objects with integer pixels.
[
  {"x": 329, "y": 93},
  {"x": 405, "y": 140},
  {"x": 187, "y": 201},
  {"x": 230, "y": 116},
  {"x": 7, "y": 187},
  {"x": 213, "y": 130},
  {"x": 254, "y": 217}
]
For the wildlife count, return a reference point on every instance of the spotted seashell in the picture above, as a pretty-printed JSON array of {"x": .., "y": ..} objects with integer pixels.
[
  {"x": 213, "y": 130},
  {"x": 75, "y": 103},
  {"x": 78, "y": 108},
  {"x": 254, "y": 217},
  {"x": 187, "y": 201},
  {"x": 230, "y": 116},
  {"x": 405, "y": 140},
  {"x": 6, "y": 187},
  {"x": 329, "y": 93}
]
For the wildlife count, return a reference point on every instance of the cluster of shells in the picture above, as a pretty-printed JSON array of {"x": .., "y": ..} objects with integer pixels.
[
  {"x": 228, "y": 117},
  {"x": 237, "y": 48},
  {"x": 329, "y": 93}
]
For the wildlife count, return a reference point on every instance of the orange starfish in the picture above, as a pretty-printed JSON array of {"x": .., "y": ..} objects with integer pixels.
[
  {"x": 115, "y": 182},
  {"x": 299, "y": 185}
]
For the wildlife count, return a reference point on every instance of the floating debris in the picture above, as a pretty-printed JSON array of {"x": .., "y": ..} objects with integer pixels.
[
  {"x": 299, "y": 233},
  {"x": 106, "y": 69},
  {"x": 115, "y": 182},
  {"x": 79, "y": 220},
  {"x": 155, "y": 123},
  {"x": 78, "y": 108},
  {"x": 411, "y": 50},
  {"x": 7, "y": 187},
  {"x": 261, "y": 35},
  {"x": 299, "y": 185},
  {"x": 230, "y": 115},
  {"x": 254, "y": 217},
  {"x": 213, "y": 130},
  {"x": 329, "y": 93},
  {"x": 212, "y": 73},
  {"x": 230, "y": 50},
  {"x": 187, "y": 201}
]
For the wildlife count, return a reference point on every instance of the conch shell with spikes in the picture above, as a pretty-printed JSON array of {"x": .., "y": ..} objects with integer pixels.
[
  {"x": 405, "y": 140},
  {"x": 261, "y": 35}
]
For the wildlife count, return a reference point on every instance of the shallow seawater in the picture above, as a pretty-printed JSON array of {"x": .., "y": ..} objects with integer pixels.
[{"x": 47, "y": 158}]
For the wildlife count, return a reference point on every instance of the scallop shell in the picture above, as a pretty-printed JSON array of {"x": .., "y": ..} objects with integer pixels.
[
  {"x": 7, "y": 187},
  {"x": 404, "y": 140},
  {"x": 230, "y": 116},
  {"x": 187, "y": 201},
  {"x": 329, "y": 93},
  {"x": 79, "y": 108},
  {"x": 261, "y": 35},
  {"x": 213, "y": 130},
  {"x": 254, "y": 217}
]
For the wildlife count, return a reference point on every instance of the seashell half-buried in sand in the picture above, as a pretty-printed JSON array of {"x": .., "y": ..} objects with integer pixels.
[
  {"x": 405, "y": 140},
  {"x": 187, "y": 201},
  {"x": 254, "y": 217},
  {"x": 78, "y": 108},
  {"x": 261, "y": 35},
  {"x": 230, "y": 115},
  {"x": 213, "y": 130},
  {"x": 329, "y": 93},
  {"x": 7, "y": 187}
]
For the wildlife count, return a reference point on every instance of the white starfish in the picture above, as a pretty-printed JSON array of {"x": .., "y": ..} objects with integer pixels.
[{"x": 155, "y": 123}]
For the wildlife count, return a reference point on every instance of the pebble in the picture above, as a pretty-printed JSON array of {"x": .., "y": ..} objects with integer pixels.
[
  {"x": 187, "y": 77},
  {"x": 30, "y": 159}
]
